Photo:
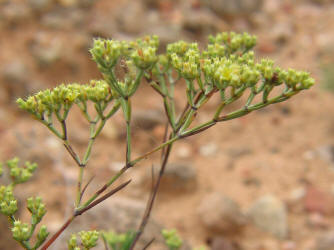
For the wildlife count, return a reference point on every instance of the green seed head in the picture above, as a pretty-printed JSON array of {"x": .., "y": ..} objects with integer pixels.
[
  {"x": 89, "y": 238},
  {"x": 173, "y": 241},
  {"x": 42, "y": 234},
  {"x": 21, "y": 231}
]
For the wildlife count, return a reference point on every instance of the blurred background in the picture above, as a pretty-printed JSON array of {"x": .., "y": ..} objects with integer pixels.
[{"x": 262, "y": 182}]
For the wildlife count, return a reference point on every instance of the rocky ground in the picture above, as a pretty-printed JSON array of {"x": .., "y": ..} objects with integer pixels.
[{"x": 262, "y": 182}]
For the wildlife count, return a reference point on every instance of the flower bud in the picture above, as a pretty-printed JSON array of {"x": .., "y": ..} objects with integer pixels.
[
  {"x": 72, "y": 243},
  {"x": 42, "y": 234},
  {"x": 9, "y": 207},
  {"x": 36, "y": 208},
  {"x": 21, "y": 231},
  {"x": 89, "y": 238}
]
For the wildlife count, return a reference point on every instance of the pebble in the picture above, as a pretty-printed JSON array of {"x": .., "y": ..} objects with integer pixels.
[
  {"x": 15, "y": 76},
  {"x": 15, "y": 13},
  {"x": 220, "y": 214},
  {"x": 239, "y": 151},
  {"x": 316, "y": 220},
  {"x": 132, "y": 18},
  {"x": 15, "y": 72},
  {"x": 325, "y": 241},
  {"x": 202, "y": 22},
  {"x": 282, "y": 32},
  {"x": 46, "y": 49},
  {"x": 40, "y": 5},
  {"x": 63, "y": 19},
  {"x": 295, "y": 198},
  {"x": 317, "y": 201},
  {"x": 269, "y": 214},
  {"x": 234, "y": 8},
  {"x": 183, "y": 151},
  {"x": 326, "y": 153},
  {"x": 209, "y": 149},
  {"x": 289, "y": 245},
  {"x": 178, "y": 177},
  {"x": 221, "y": 243}
]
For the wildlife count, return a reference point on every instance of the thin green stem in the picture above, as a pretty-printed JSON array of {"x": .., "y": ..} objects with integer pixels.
[
  {"x": 52, "y": 129},
  {"x": 126, "y": 107},
  {"x": 108, "y": 184},
  {"x": 79, "y": 186}
]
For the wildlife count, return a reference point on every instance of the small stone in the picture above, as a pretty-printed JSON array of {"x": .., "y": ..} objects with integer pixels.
[
  {"x": 295, "y": 200},
  {"x": 15, "y": 72},
  {"x": 208, "y": 149},
  {"x": 239, "y": 151},
  {"x": 220, "y": 243},
  {"x": 132, "y": 18},
  {"x": 183, "y": 151},
  {"x": 201, "y": 21},
  {"x": 297, "y": 194},
  {"x": 15, "y": 75},
  {"x": 147, "y": 119},
  {"x": 282, "y": 33},
  {"x": 316, "y": 220},
  {"x": 63, "y": 19},
  {"x": 220, "y": 214},
  {"x": 269, "y": 214},
  {"x": 289, "y": 245},
  {"x": 326, "y": 153},
  {"x": 15, "y": 13},
  {"x": 317, "y": 201},
  {"x": 325, "y": 241},
  {"x": 177, "y": 177},
  {"x": 40, "y": 5},
  {"x": 46, "y": 49},
  {"x": 226, "y": 8},
  {"x": 309, "y": 155}
]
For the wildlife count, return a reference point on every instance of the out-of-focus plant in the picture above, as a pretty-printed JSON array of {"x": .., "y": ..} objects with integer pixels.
[
  {"x": 227, "y": 68},
  {"x": 22, "y": 232}
]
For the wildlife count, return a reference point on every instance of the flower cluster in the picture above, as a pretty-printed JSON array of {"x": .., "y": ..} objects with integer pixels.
[
  {"x": 36, "y": 208},
  {"x": 20, "y": 174},
  {"x": 21, "y": 231},
  {"x": 185, "y": 58},
  {"x": 107, "y": 52},
  {"x": 233, "y": 41},
  {"x": 63, "y": 96},
  {"x": 144, "y": 53},
  {"x": 173, "y": 241},
  {"x": 88, "y": 240},
  {"x": 8, "y": 203},
  {"x": 118, "y": 241}
]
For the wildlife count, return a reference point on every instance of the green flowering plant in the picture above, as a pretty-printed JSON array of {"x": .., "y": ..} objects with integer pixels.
[
  {"x": 227, "y": 67},
  {"x": 173, "y": 241},
  {"x": 22, "y": 232}
]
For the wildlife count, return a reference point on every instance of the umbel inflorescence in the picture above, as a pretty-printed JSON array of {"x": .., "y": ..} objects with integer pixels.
[{"x": 227, "y": 67}]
